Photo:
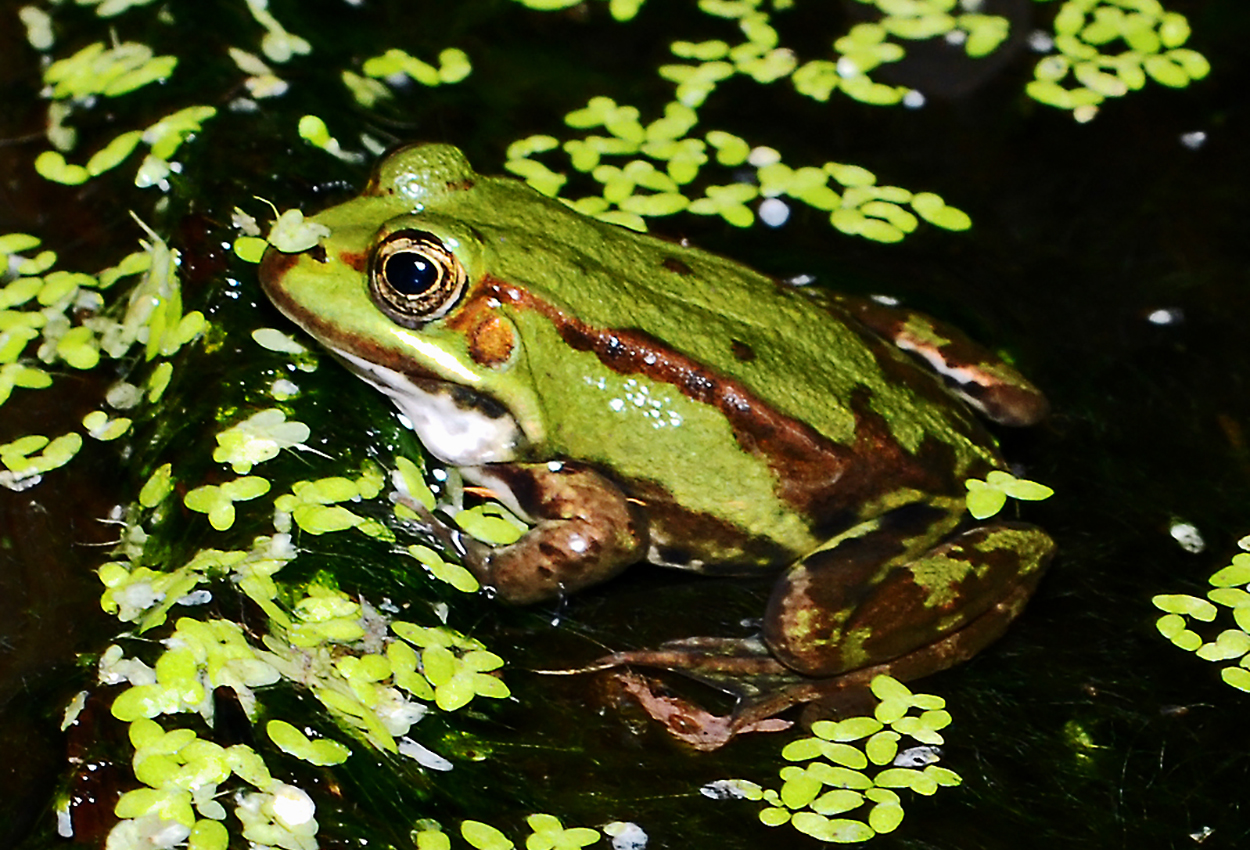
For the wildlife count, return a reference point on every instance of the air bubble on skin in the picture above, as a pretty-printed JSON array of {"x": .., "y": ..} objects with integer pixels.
[
  {"x": 555, "y": 465},
  {"x": 914, "y": 99},
  {"x": 577, "y": 543},
  {"x": 616, "y": 405},
  {"x": 887, "y": 300},
  {"x": 1166, "y": 316}
]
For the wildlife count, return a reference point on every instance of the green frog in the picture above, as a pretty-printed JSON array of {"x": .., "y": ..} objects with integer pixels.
[{"x": 635, "y": 399}]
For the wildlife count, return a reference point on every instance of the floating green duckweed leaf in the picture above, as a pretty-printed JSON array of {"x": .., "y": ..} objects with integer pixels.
[
  {"x": 321, "y": 751},
  {"x": 51, "y": 165},
  {"x": 79, "y": 348},
  {"x": 1190, "y": 606},
  {"x": 20, "y": 458},
  {"x": 159, "y": 380},
  {"x": 453, "y": 66},
  {"x": 986, "y": 498},
  {"x": 157, "y": 487},
  {"x": 550, "y": 834},
  {"x": 1238, "y": 572},
  {"x": 111, "y": 71},
  {"x": 258, "y": 438},
  {"x": 313, "y": 130},
  {"x": 15, "y": 243},
  {"x": 114, "y": 153},
  {"x": 37, "y": 264},
  {"x": 38, "y": 25},
  {"x": 491, "y": 523},
  {"x": 454, "y": 574},
  {"x": 208, "y": 835},
  {"x": 411, "y": 483},
  {"x": 101, "y": 427},
  {"x": 882, "y": 747},
  {"x": 218, "y": 501},
  {"x": 18, "y": 375},
  {"x": 291, "y": 234},
  {"x": 483, "y": 836},
  {"x": 537, "y": 175},
  {"x": 850, "y": 729}
]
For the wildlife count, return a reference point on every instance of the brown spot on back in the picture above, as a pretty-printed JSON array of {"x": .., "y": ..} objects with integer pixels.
[
  {"x": 677, "y": 266},
  {"x": 742, "y": 351}
]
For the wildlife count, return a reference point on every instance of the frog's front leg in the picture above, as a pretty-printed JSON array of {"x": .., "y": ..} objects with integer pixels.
[
  {"x": 585, "y": 531},
  {"x": 883, "y": 594}
]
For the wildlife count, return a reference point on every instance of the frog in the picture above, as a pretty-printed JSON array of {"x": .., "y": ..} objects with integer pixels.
[{"x": 636, "y": 399}]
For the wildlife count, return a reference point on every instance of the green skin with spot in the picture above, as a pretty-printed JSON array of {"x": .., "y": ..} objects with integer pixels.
[{"x": 703, "y": 416}]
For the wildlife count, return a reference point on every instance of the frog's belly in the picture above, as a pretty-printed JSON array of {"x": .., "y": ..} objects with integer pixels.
[{"x": 691, "y": 540}]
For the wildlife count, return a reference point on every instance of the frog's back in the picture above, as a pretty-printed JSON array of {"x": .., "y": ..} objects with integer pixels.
[{"x": 797, "y": 352}]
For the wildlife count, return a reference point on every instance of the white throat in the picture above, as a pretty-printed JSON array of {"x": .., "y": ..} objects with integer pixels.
[{"x": 454, "y": 434}]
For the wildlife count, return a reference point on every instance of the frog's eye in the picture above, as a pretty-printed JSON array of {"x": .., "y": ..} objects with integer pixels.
[{"x": 413, "y": 278}]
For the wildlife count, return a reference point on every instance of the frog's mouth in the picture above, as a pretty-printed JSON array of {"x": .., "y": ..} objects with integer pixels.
[{"x": 456, "y": 424}]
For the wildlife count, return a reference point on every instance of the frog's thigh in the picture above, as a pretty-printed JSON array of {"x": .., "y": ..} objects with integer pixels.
[
  {"x": 585, "y": 531},
  {"x": 869, "y": 600}
]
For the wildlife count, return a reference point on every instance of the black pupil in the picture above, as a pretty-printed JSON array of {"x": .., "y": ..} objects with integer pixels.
[{"x": 410, "y": 273}]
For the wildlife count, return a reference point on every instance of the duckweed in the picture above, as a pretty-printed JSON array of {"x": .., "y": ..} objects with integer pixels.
[
  {"x": 101, "y": 427},
  {"x": 320, "y": 751},
  {"x": 410, "y": 484},
  {"x": 313, "y": 504},
  {"x": 1109, "y": 48},
  {"x": 259, "y": 438},
  {"x": 550, "y": 834},
  {"x": 291, "y": 234},
  {"x": 491, "y": 523},
  {"x": 483, "y": 836},
  {"x": 852, "y": 766},
  {"x": 986, "y": 498},
  {"x": 454, "y": 574},
  {"x": 1230, "y": 596},
  {"x": 218, "y": 500},
  {"x": 453, "y": 66},
  {"x": 24, "y": 465},
  {"x": 639, "y": 189}
]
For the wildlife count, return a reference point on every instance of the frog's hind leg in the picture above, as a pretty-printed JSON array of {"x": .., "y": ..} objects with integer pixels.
[{"x": 873, "y": 601}]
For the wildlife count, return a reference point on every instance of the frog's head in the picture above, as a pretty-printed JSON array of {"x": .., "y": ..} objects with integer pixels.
[{"x": 390, "y": 291}]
